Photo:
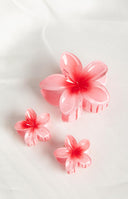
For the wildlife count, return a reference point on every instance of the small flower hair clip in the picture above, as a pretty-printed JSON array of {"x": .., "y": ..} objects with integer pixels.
[
  {"x": 33, "y": 128},
  {"x": 77, "y": 88},
  {"x": 73, "y": 154}
]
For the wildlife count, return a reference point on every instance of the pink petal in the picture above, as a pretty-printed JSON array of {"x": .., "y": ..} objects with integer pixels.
[
  {"x": 53, "y": 82},
  {"x": 30, "y": 138},
  {"x": 43, "y": 119},
  {"x": 70, "y": 65},
  {"x": 84, "y": 144},
  {"x": 84, "y": 161},
  {"x": 70, "y": 166},
  {"x": 43, "y": 134},
  {"x": 76, "y": 112},
  {"x": 53, "y": 97},
  {"x": 96, "y": 99},
  {"x": 61, "y": 153},
  {"x": 95, "y": 70},
  {"x": 30, "y": 115},
  {"x": 103, "y": 80},
  {"x": 70, "y": 142},
  {"x": 67, "y": 102},
  {"x": 21, "y": 127},
  {"x": 97, "y": 94}
]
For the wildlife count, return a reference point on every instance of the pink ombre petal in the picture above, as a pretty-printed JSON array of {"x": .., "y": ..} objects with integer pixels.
[
  {"x": 84, "y": 144},
  {"x": 84, "y": 161},
  {"x": 70, "y": 142},
  {"x": 21, "y": 126},
  {"x": 43, "y": 119},
  {"x": 76, "y": 112},
  {"x": 30, "y": 115},
  {"x": 53, "y": 97},
  {"x": 103, "y": 80},
  {"x": 61, "y": 153},
  {"x": 53, "y": 82},
  {"x": 70, "y": 165},
  {"x": 95, "y": 70},
  {"x": 43, "y": 134},
  {"x": 67, "y": 102},
  {"x": 30, "y": 138},
  {"x": 97, "y": 97},
  {"x": 70, "y": 65},
  {"x": 98, "y": 94}
]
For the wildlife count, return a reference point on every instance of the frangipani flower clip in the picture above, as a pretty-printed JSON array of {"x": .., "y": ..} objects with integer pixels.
[
  {"x": 73, "y": 154},
  {"x": 77, "y": 88},
  {"x": 33, "y": 128}
]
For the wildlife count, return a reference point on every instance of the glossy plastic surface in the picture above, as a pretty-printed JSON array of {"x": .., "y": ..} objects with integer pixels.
[
  {"x": 77, "y": 88},
  {"x": 33, "y": 128},
  {"x": 73, "y": 154}
]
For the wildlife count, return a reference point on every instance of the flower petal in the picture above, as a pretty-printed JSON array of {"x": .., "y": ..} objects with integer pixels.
[
  {"x": 21, "y": 127},
  {"x": 67, "y": 102},
  {"x": 70, "y": 142},
  {"x": 95, "y": 70},
  {"x": 97, "y": 94},
  {"x": 43, "y": 134},
  {"x": 30, "y": 138},
  {"x": 70, "y": 65},
  {"x": 43, "y": 119},
  {"x": 84, "y": 161},
  {"x": 77, "y": 110},
  {"x": 61, "y": 153},
  {"x": 30, "y": 115},
  {"x": 53, "y": 82},
  {"x": 70, "y": 166},
  {"x": 103, "y": 80},
  {"x": 53, "y": 97},
  {"x": 84, "y": 144},
  {"x": 96, "y": 99}
]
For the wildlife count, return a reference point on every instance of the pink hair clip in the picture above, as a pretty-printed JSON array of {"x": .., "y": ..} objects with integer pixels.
[
  {"x": 33, "y": 128},
  {"x": 77, "y": 88},
  {"x": 73, "y": 154}
]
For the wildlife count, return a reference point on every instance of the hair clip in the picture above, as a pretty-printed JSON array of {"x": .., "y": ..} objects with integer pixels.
[
  {"x": 33, "y": 128},
  {"x": 73, "y": 154},
  {"x": 77, "y": 88}
]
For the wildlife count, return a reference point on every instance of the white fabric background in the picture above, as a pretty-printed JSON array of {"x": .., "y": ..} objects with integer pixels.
[{"x": 33, "y": 34}]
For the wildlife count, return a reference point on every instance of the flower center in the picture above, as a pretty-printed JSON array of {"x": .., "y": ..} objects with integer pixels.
[
  {"x": 76, "y": 153},
  {"x": 78, "y": 85},
  {"x": 31, "y": 124}
]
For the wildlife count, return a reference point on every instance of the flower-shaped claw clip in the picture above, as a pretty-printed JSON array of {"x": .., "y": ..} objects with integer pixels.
[
  {"x": 73, "y": 154},
  {"x": 33, "y": 128},
  {"x": 77, "y": 88}
]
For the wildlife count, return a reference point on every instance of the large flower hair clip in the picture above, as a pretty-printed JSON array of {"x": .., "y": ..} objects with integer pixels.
[
  {"x": 73, "y": 154},
  {"x": 33, "y": 128},
  {"x": 77, "y": 88}
]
